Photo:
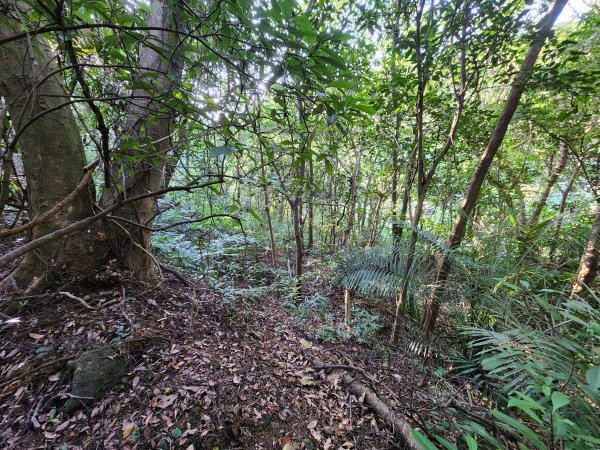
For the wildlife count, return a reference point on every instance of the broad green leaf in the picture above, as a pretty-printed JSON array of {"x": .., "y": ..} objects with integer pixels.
[
  {"x": 593, "y": 377},
  {"x": 341, "y": 84},
  {"x": 559, "y": 400},
  {"x": 423, "y": 440},
  {"x": 221, "y": 150}
]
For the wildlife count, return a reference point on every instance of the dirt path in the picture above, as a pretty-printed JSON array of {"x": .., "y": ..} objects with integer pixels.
[{"x": 204, "y": 374}]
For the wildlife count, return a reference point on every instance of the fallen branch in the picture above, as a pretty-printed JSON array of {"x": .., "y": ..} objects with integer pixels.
[
  {"x": 398, "y": 425},
  {"x": 347, "y": 367},
  {"x": 86, "y": 304},
  {"x": 88, "y": 171},
  {"x": 175, "y": 273},
  {"x": 36, "y": 243}
]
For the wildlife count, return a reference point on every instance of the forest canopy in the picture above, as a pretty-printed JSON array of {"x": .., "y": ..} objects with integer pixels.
[{"x": 417, "y": 178}]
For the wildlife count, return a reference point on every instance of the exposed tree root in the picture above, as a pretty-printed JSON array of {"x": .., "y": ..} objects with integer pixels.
[{"x": 398, "y": 425}]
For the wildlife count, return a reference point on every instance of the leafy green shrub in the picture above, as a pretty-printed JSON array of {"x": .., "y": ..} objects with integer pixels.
[
  {"x": 543, "y": 375},
  {"x": 177, "y": 250},
  {"x": 364, "y": 328}
]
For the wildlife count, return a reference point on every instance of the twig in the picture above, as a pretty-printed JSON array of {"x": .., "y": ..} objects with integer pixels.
[
  {"x": 175, "y": 273},
  {"x": 347, "y": 367},
  {"x": 79, "y": 299},
  {"x": 22, "y": 374},
  {"x": 89, "y": 170},
  {"x": 86, "y": 304}
]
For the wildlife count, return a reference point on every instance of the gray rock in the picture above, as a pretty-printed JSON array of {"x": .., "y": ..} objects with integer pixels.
[{"x": 94, "y": 373}]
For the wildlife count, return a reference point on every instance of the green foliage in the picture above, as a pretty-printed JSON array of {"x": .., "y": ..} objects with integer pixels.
[
  {"x": 365, "y": 326},
  {"x": 545, "y": 372}
]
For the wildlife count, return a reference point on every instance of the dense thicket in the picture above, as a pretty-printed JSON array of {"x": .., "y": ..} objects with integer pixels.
[{"x": 446, "y": 150}]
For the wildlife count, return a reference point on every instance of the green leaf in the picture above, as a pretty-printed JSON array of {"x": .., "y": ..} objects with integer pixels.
[
  {"x": 593, "y": 377},
  {"x": 341, "y": 84},
  {"x": 221, "y": 150},
  {"x": 365, "y": 108},
  {"x": 445, "y": 443},
  {"x": 423, "y": 440},
  {"x": 514, "y": 425},
  {"x": 176, "y": 433},
  {"x": 559, "y": 400},
  {"x": 527, "y": 405},
  {"x": 471, "y": 442},
  {"x": 303, "y": 24},
  {"x": 254, "y": 214},
  {"x": 546, "y": 389},
  {"x": 287, "y": 8}
]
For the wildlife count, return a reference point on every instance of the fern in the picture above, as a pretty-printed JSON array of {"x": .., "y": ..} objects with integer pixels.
[
  {"x": 380, "y": 270},
  {"x": 548, "y": 375}
]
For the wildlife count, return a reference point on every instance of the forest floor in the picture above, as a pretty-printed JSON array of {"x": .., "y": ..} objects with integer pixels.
[{"x": 203, "y": 372}]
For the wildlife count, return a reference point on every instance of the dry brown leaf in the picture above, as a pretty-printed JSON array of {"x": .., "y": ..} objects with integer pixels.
[
  {"x": 128, "y": 428},
  {"x": 54, "y": 377},
  {"x": 36, "y": 336},
  {"x": 164, "y": 401},
  {"x": 305, "y": 344}
]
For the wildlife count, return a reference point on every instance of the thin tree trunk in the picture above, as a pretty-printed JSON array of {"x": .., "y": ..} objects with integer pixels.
[
  {"x": 266, "y": 195},
  {"x": 374, "y": 219},
  {"x": 352, "y": 196},
  {"x": 552, "y": 179},
  {"x": 396, "y": 227},
  {"x": 468, "y": 205},
  {"x": 561, "y": 209},
  {"x": 424, "y": 179},
  {"x": 311, "y": 199},
  {"x": 588, "y": 266},
  {"x": 347, "y": 308}
]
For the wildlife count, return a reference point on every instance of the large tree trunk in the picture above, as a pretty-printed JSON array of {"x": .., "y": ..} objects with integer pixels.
[
  {"x": 588, "y": 267},
  {"x": 150, "y": 126},
  {"x": 54, "y": 160},
  {"x": 468, "y": 205},
  {"x": 52, "y": 151}
]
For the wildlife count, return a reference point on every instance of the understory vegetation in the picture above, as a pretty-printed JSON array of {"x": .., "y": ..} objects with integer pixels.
[{"x": 300, "y": 224}]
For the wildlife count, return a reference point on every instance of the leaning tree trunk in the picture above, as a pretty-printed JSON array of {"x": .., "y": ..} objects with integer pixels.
[
  {"x": 588, "y": 267},
  {"x": 53, "y": 157},
  {"x": 148, "y": 129},
  {"x": 561, "y": 210},
  {"x": 555, "y": 173},
  {"x": 470, "y": 201}
]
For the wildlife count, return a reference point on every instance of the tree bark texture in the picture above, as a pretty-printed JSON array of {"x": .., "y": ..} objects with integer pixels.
[
  {"x": 150, "y": 125},
  {"x": 52, "y": 151},
  {"x": 588, "y": 267}
]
